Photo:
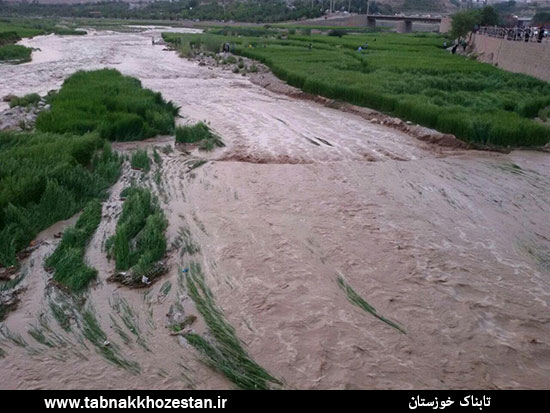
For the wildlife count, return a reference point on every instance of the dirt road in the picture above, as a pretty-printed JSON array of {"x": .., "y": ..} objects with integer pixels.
[{"x": 452, "y": 245}]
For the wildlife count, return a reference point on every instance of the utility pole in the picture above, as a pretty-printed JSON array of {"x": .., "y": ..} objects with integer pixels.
[{"x": 368, "y": 7}]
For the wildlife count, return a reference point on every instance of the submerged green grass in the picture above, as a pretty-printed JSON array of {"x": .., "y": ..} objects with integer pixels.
[
  {"x": 52, "y": 173},
  {"x": 45, "y": 178},
  {"x": 360, "y": 302},
  {"x": 139, "y": 241},
  {"x": 68, "y": 258},
  {"x": 224, "y": 351},
  {"x": 200, "y": 134},
  {"x": 409, "y": 76},
  {"x": 91, "y": 329},
  {"x": 115, "y": 106}
]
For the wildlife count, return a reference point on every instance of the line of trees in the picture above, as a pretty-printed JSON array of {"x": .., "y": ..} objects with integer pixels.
[
  {"x": 247, "y": 11},
  {"x": 258, "y": 11},
  {"x": 465, "y": 21}
]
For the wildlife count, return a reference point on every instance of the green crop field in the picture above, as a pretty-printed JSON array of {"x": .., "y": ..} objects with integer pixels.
[
  {"x": 14, "y": 29},
  {"x": 115, "y": 106},
  {"x": 27, "y": 27},
  {"x": 52, "y": 173},
  {"x": 45, "y": 178},
  {"x": 409, "y": 76}
]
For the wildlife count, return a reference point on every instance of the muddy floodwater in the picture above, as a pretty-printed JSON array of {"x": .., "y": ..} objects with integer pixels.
[{"x": 453, "y": 245}]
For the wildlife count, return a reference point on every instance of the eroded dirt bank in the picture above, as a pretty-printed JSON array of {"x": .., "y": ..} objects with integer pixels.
[{"x": 453, "y": 245}]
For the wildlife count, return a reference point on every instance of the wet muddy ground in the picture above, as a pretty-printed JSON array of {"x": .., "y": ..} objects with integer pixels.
[{"x": 453, "y": 245}]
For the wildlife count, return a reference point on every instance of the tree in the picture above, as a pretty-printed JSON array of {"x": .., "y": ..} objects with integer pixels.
[
  {"x": 462, "y": 23},
  {"x": 489, "y": 16},
  {"x": 542, "y": 18}
]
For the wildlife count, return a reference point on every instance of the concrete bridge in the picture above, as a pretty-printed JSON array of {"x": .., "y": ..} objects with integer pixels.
[{"x": 405, "y": 23}]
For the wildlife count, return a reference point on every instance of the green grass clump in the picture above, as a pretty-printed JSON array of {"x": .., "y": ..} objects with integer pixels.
[
  {"x": 68, "y": 258},
  {"x": 409, "y": 76},
  {"x": 9, "y": 38},
  {"x": 25, "y": 101},
  {"x": 199, "y": 133},
  {"x": 357, "y": 300},
  {"x": 140, "y": 160},
  {"x": 139, "y": 241},
  {"x": 15, "y": 53},
  {"x": 225, "y": 352},
  {"x": 45, "y": 178},
  {"x": 115, "y": 106}
]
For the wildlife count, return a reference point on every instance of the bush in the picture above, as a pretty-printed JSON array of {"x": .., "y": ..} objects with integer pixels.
[{"x": 336, "y": 33}]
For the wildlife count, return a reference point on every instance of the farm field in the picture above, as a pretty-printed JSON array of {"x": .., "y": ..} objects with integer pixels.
[
  {"x": 408, "y": 76},
  {"x": 13, "y": 30}
]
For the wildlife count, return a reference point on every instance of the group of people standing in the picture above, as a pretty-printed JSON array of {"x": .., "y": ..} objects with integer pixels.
[{"x": 526, "y": 34}]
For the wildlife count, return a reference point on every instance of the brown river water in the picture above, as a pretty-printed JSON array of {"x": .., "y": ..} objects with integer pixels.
[{"x": 453, "y": 245}]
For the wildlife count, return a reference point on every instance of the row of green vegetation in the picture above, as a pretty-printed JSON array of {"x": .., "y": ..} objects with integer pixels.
[
  {"x": 68, "y": 259},
  {"x": 409, "y": 76},
  {"x": 199, "y": 134},
  {"x": 139, "y": 241},
  {"x": 105, "y": 101},
  {"x": 46, "y": 177}
]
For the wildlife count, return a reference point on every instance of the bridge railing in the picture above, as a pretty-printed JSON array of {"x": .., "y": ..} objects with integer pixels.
[{"x": 518, "y": 34}]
